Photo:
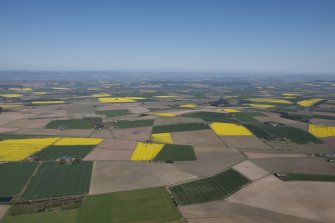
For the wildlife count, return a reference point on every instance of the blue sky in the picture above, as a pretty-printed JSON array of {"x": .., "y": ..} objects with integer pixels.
[{"x": 169, "y": 35}]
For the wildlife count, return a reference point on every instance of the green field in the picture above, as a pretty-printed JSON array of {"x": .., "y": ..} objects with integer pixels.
[
  {"x": 4, "y": 136},
  {"x": 123, "y": 124},
  {"x": 245, "y": 117},
  {"x": 114, "y": 113},
  {"x": 171, "y": 152},
  {"x": 67, "y": 216},
  {"x": 69, "y": 124},
  {"x": 210, "y": 116},
  {"x": 152, "y": 205},
  {"x": 14, "y": 176},
  {"x": 269, "y": 132},
  {"x": 179, "y": 127},
  {"x": 208, "y": 189},
  {"x": 307, "y": 177},
  {"x": 56, "y": 180},
  {"x": 54, "y": 152},
  {"x": 145, "y": 205}
]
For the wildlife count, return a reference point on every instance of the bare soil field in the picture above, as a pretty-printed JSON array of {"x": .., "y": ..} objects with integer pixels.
[
  {"x": 199, "y": 137},
  {"x": 107, "y": 154},
  {"x": 102, "y": 133},
  {"x": 175, "y": 120},
  {"x": 252, "y": 155},
  {"x": 110, "y": 176},
  {"x": 310, "y": 200},
  {"x": 7, "y": 117},
  {"x": 230, "y": 212},
  {"x": 323, "y": 121},
  {"x": 6, "y": 130},
  {"x": 244, "y": 142},
  {"x": 140, "y": 134},
  {"x": 75, "y": 132},
  {"x": 210, "y": 159},
  {"x": 330, "y": 141},
  {"x": 29, "y": 123},
  {"x": 37, "y": 131},
  {"x": 138, "y": 109},
  {"x": 250, "y": 170},
  {"x": 3, "y": 210},
  {"x": 118, "y": 144}
]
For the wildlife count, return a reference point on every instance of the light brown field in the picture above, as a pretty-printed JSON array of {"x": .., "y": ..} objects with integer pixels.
[
  {"x": 244, "y": 142},
  {"x": 199, "y": 137},
  {"x": 29, "y": 123},
  {"x": 252, "y": 155},
  {"x": 110, "y": 176},
  {"x": 7, "y": 117},
  {"x": 175, "y": 120},
  {"x": 6, "y": 130},
  {"x": 311, "y": 165},
  {"x": 107, "y": 154},
  {"x": 75, "y": 132},
  {"x": 3, "y": 210},
  {"x": 140, "y": 134},
  {"x": 330, "y": 141},
  {"x": 119, "y": 144},
  {"x": 102, "y": 133},
  {"x": 323, "y": 121},
  {"x": 310, "y": 200},
  {"x": 230, "y": 212},
  {"x": 250, "y": 170}
]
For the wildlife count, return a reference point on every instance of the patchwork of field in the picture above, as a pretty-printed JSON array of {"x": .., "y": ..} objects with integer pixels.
[
  {"x": 123, "y": 124},
  {"x": 114, "y": 113},
  {"x": 14, "y": 176},
  {"x": 199, "y": 137},
  {"x": 309, "y": 200},
  {"x": 56, "y": 180},
  {"x": 19, "y": 149},
  {"x": 162, "y": 152},
  {"x": 179, "y": 127},
  {"x": 207, "y": 189},
  {"x": 210, "y": 116}
]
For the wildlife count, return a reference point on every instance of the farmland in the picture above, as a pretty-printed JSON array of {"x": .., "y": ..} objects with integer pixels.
[
  {"x": 307, "y": 177},
  {"x": 70, "y": 124},
  {"x": 132, "y": 149},
  {"x": 209, "y": 189},
  {"x": 55, "y": 180},
  {"x": 179, "y": 127},
  {"x": 114, "y": 113},
  {"x": 123, "y": 124},
  {"x": 14, "y": 176},
  {"x": 54, "y": 152}
]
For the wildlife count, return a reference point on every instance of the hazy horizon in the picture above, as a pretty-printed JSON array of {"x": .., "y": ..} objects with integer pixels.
[{"x": 261, "y": 36}]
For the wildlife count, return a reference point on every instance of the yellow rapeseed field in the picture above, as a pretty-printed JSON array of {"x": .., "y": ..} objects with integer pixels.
[
  {"x": 321, "y": 130},
  {"x": 309, "y": 102},
  {"x": 10, "y": 105},
  {"x": 290, "y": 95},
  {"x": 116, "y": 100},
  {"x": 165, "y": 96},
  {"x": 78, "y": 141},
  {"x": 270, "y": 100},
  {"x": 101, "y": 95},
  {"x": 47, "y": 102},
  {"x": 20, "y": 89},
  {"x": 39, "y": 92},
  {"x": 146, "y": 151},
  {"x": 164, "y": 114},
  {"x": 162, "y": 138},
  {"x": 11, "y": 95},
  {"x": 188, "y": 106},
  {"x": 19, "y": 149},
  {"x": 260, "y": 105},
  {"x": 229, "y": 129},
  {"x": 227, "y": 110}
]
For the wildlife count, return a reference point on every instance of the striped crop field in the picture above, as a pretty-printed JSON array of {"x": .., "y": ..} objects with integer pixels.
[{"x": 212, "y": 188}]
